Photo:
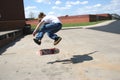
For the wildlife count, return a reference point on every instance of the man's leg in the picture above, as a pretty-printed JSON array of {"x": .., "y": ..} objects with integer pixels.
[
  {"x": 53, "y": 28},
  {"x": 39, "y": 35}
]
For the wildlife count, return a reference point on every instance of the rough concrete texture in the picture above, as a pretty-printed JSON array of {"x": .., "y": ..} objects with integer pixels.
[{"x": 85, "y": 54}]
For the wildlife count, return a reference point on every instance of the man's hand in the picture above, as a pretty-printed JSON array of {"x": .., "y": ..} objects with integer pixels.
[
  {"x": 34, "y": 33},
  {"x": 39, "y": 24}
]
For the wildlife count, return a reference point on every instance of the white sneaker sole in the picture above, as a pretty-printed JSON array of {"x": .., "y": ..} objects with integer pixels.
[{"x": 56, "y": 42}]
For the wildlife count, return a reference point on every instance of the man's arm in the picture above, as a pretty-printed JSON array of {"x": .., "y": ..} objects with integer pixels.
[{"x": 37, "y": 27}]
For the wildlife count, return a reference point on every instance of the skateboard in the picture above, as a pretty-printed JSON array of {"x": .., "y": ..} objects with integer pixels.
[{"x": 48, "y": 51}]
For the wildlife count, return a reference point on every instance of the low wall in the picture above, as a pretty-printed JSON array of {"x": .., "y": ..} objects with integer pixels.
[
  {"x": 74, "y": 19},
  {"x": 8, "y": 36}
]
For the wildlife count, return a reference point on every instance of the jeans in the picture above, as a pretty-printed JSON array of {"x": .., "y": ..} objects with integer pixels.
[{"x": 50, "y": 29}]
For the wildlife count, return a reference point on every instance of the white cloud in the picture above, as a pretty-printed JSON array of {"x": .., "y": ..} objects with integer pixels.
[
  {"x": 83, "y": 11},
  {"x": 51, "y": 13},
  {"x": 76, "y": 2},
  {"x": 97, "y": 5},
  {"x": 94, "y": 6},
  {"x": 43, "y": 1},
  {"x": 94, "y": 9},
  {"x": 72, "y": 3},
  {"x": 31, "y": 9},
  {"x": 112, "y": 7},
  {"x": 115, "y": 2},
  {"x": 84, "y": 2},
  {"x": 62, "y": 8},
  {"x": 68, "y": 4},
  {"x": 58, "y": 2},
  {"x": 39, "y": 1}
]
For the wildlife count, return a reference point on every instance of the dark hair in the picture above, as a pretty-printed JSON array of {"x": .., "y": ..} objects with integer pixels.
[{"x": 41, "y": 15}]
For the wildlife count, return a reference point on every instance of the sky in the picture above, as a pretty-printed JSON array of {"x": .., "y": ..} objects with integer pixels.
[{"x": 70, "y": 7}]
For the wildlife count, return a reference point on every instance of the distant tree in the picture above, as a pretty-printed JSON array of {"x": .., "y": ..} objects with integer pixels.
[
  {"x": 66, "y": 15},
  {"x": 31, "y": 15}
]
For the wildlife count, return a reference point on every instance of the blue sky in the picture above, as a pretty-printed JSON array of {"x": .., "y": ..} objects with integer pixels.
[{"x": 70, "y": 7}]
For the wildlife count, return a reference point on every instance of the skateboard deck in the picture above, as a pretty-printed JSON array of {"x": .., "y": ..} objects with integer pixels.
[{"x": 48, "y": 51}]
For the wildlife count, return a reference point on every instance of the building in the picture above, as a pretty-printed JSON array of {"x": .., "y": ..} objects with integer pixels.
[
  {"x": 84, "y": 18},
  {"x": 12, "y": 20},
  {"x": 11, "y": 14},
  {"x": 77, "y": 18}
]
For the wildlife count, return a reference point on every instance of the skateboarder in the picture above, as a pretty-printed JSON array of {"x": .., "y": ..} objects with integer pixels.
[{"x": 47, "y": 24}]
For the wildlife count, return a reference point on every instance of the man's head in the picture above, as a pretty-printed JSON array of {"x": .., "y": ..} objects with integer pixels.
[{"x": 40, "y": 16}]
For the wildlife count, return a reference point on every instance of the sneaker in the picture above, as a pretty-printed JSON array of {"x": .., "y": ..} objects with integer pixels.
[
  {"x": 37, "y": 41},
  {"x": 57, "y": 40}
]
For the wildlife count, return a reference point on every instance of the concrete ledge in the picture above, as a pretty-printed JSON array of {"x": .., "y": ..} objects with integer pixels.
[
  {"x": 8, "y": 36},
  {"x": 76, "y": 27}
]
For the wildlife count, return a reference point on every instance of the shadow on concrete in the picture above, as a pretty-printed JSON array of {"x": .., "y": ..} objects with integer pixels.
[
  {"x": 113, "y": 27},
  {"x": 75, "y": 59},
  {"x": 4, "y": 48}
]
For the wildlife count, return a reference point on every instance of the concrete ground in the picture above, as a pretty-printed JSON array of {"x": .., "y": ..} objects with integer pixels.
[{"x": 90, "y": 53}]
